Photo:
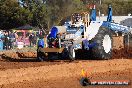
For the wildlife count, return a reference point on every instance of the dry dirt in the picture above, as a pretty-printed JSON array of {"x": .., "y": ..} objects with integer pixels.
[
  {"x": 67, "y": 74},
  {"x": 19, "y": 69}
]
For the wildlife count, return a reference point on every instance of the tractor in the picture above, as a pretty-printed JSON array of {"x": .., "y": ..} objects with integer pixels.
[{"x": 83, "y": 32}]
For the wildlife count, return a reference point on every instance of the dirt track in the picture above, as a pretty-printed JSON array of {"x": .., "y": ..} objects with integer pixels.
[
  {"x": 17, "y": 70},
  {"x": 58, "y": 74},
  {"x": 53, "y": 76}
]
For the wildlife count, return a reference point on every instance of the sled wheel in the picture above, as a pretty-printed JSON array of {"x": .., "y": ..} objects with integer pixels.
[
  {"x": 40, "y": 55},
  {"x": 65, "y": 53},
  {"x": 72, "y": 52}
]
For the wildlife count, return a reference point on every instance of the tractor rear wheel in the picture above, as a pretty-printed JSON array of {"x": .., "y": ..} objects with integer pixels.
[{"x": 103, "y": 48}]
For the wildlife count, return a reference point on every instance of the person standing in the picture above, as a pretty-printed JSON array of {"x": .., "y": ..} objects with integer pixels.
[
  {"x": 45, "y": 41},
  {"x": 30, "y": 39},
  {"x": 1, "y": 40},
  {"x": 34, "y": 40},
  {"x": 16, "y": 38},
  {"x": 11, "y": 40},
  {"x": 6, "y": 40}
]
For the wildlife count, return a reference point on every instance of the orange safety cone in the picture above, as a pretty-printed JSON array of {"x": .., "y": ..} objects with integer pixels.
[
  {"x": 84, "y": 81},
  {"x": 83, "y": 73}
]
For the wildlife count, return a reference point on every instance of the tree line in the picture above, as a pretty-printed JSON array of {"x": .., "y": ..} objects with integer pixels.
[{"x": 47, "y": 13}]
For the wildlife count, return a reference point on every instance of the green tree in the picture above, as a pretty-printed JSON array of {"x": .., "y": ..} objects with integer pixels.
[
  {"x": 8, "y": 14},
  {"x": 47, "y": 13},
  {"x": 12, "y": 15}
]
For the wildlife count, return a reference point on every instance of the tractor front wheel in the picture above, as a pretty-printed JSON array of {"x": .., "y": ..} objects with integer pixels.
[{"x": 72, "y": 52}]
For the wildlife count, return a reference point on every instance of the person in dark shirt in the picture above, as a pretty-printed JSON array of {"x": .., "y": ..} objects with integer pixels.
[
  {"x": 6, "y": 40},
  {"x": 30, "y": 39},
  {"x": 11, "y": 39},
  {"x": 34, "y": 40}
]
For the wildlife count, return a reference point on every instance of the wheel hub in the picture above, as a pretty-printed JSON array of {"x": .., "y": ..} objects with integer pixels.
[
  {"x": 107, "y": 43},
  {"x": 73, "y": 52}
]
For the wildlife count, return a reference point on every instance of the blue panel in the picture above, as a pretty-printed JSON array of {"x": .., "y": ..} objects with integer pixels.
[
  {"x": 85, "y": 44},
  {"x": 71, "y": 30},
  {"x": 106, "y": 24},
  {"x": 115, "y": 27},
  {"x": 93, "y": 15},
  {"x": 88, "y": 45},
  {"x": 92, "y": 45},
  {"x": 54, "y": 32}
]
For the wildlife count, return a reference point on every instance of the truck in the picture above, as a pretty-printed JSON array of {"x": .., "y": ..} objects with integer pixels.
[{"x": 83, "y": 32}]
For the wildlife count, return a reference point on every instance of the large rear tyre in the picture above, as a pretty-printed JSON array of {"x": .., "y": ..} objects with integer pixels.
[{"x": 103, "y": 48}]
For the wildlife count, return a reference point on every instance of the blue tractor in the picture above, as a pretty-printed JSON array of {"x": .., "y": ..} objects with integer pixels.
[{"x": 83, "y": 32}]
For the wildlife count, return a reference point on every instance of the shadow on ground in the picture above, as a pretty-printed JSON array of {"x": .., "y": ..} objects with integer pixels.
[
  {"x": 24, "y": 59},
  {"x": 80, "y": 55}
]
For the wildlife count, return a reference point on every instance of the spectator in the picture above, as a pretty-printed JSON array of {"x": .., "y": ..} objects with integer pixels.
[
  {"x": 6, "y": 38},
  {"x": 16, "y": 37},
  {"x": 1, "y": 40},
  {"x": 45, "y": 41},
  {"x": 11, "y": 39},
  {"x": 34, "y": 40},
  {"x": 41, "y": 34},
  {"x": 30, "y": 39}
]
